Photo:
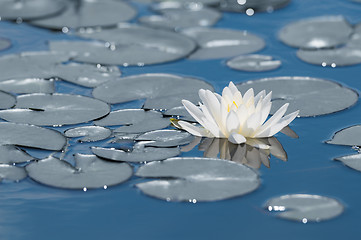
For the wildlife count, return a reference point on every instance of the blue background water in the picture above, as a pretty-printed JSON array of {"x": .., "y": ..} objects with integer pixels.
[{"x": 32, "y": 211}]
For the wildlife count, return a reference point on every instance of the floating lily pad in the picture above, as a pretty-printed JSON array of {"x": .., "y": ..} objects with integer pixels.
[
  {"x": 353, "y": 161},
  {"x": 28, "y": 85},
  {"x": 89, "y": 133},
  {"x": 149, "y": 86},
  {"x": 12, "y": 173},
  {"x": 132, "y": 45},
  {"x": 85, "y": 74},
  {"x": 177, "y": 18},
  {"x": 312, "y": 96},
  {"x": 222, "y": 43},
  {"x": 55, "y": 109},
  {"x": 305, "y": 208},
  {"x": 4, "y": 44},
  {"x": 316, "y": 33},
  {"x": 254, "y": 63},
  {"x": 30, "y": 136},
  {"x": 344, "y": 56},
  {"x": 89, "y": 172},
  {"x": 256, "y": 5},
  {"x": 12, "y": 154},
  {"x": 6, "y": 100},
  {"x": 134, "y": 121},
  {"x": 203, "y": 2},
  {"x": 197, "y": 179},
  {"x": 349, "y": 136},
  {"x": 89, "y": 13},
  {"x": 179, "y": 113},
  {"x": 141, "y": 154},
  {"x": 29, "y": 9},
  {"x": 165, "y": 138}
]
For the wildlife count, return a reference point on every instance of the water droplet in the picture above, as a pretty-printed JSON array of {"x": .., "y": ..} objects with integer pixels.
[
  {"x": 250, "y": 11},
  {"x": 85, "y": 189},
  {"x": 304, "y": 220}
]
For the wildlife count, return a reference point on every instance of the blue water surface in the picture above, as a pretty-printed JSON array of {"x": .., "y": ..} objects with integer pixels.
[{"x": 33, "y": 211}]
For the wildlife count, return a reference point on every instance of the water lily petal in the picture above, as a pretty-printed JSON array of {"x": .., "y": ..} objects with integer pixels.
[
  {"x": 248, "y": 96},
  {"x": 259, "y": 97},
  {"x": 251, "y": 125},
  {"x": 236, "y": 138},
  {"x": 194, "y": 111},
  {"x": 227, "y": 93},
  {"x": 242, "y": 114},
  {"x": 233, "y": 88},
  {"x": 232, "y": 122},
  {"x": 265, "y": 129},
  {"x": 194, "y": 130},
  {"x": 283, "y": 123}
]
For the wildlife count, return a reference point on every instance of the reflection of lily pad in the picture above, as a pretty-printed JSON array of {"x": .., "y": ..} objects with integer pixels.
[
  {"x": 353, "y": 161},
  {"x": 315, "y": 33},
  {"x": 89, "y": 133},
  {"x": 6, "y": 100},
  {"x": 134, "y": 120},
  {"x": 197, "y": 179},
  {"x": 253, "y": 63},
  {"x": 30, "y": 136},
  {"x": 12, "y": 173},
  {"x": 12, "y": 154},
  {"x": 90, "y": 172},
  {"x": 153, "y": 85},
  {"x": 141, "y": 154},
  {"x": 305, "y": 207},
  {"x": 55, "y": 109},
  {"x": 89, "y": 13},
  {"x": 312, "y": 96},
  {"x": 348, "y": 136},
  {"x": 165, "y": 138},
  {"x": 222, "y": 43}
]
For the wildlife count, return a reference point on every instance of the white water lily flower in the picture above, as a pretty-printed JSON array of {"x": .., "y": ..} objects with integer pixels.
[{"x": 234, "y": 116}]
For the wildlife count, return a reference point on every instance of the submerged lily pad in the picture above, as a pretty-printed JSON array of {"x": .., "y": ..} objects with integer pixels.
[
  {"x": 12, "y": 173},
  {"x": 4, "y": 44},
  {"x": 353, "y": 161},
  {"x": 89, "y": 133},
  {"x": 221, "y": 43},
  {"x": 28, "y": 85},
  {"x": 305, "y": 207},
  {"x": 134, "y": 120},
  {"x": 30, "y": 136},
  {"x": 89, "y": 172},
  {"x": 138, "y": 154},
  {"x": 89, "y": 13},
  {"x": 130, "y": 44},
  {"x": 254, "y": 63},
  {"x": 165, "y": 138},
  {"x": 197, "y": 179},
  {"x": 55, "y": 109},
  {"x": 6, "y": 100},
  {"x": 255, "y": 5},
  {"x": 12, "y": 154},
  {"x": 315, "y": 33},
  {"x": 312, "y": 96},
  {"x": 349, "y": 136},
  {"x": 149, "y": 86},
  {"x": 29, "y": 9}
]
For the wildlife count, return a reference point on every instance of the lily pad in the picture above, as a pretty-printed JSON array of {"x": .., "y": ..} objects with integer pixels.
[
  {"x": 30, "y": 136},
  {"x": 305, "y": 207},
  {"x": 4, "y": 44},
  {"x": 140, "y": 154},
  {"x": 256, "y": 5},
  {"x": 89, "y": 13},
  {"x": 203, "y": 2},
  {"x": 133, "y": 45},
  {"x": 316, "y": 33},
  {"x": 12, "y": 154},
  {"x": 222, "y": 43},
  {"x": 353, "y": 161},
  {"x": 179, "y": 113},
  {"x": 12, "y": 173},
  {"x": 165, "y": 138},
  {"x": 28, "y": 85},
  {"x": 89, "y": 133},
  {"x": 89, "y": 172},
  {"x": 6, "y": 100},
  {"x": 134, "y": 121},
  {"x": 349, "y": 136},
  {"x": 254, "y": 63},
  {"x": 312, "y": 96},
  {"x": 85, "y": 74},
  {"x": 29, "y": 9},
  {"x": 197, "y": 179},
  {"x": 149, "y": 86},
  {"x": 55, "y": 109}
]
